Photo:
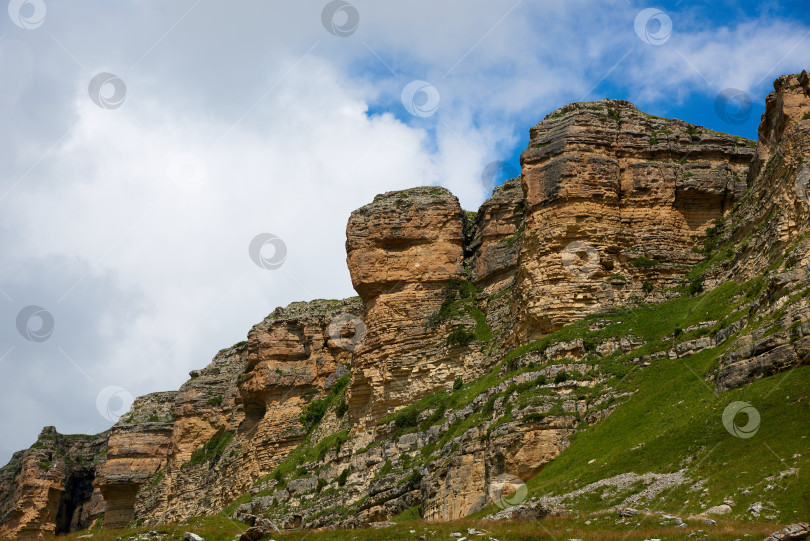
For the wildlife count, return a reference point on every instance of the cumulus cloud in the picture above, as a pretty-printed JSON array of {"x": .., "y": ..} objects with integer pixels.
[{"x": 131, "y": 225}]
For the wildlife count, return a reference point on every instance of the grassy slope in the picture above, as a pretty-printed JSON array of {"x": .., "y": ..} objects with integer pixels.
[
  {"x": 218, "y": 528},
  {"x": 672, "y": 421},
  {"x": 674, "y": 418}
]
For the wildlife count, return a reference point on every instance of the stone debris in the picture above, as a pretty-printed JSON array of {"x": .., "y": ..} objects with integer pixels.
[
  {"x": 721, "y": 509},
  {"x": 794, "y": 532}
]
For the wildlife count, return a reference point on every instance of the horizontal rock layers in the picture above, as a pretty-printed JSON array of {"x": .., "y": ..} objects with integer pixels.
[
  {"x": 612, "y": 207},
  {"x": 616, "y": 198}
]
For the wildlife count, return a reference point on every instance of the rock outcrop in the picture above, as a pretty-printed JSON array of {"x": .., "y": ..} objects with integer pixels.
[
  {"x": 768, "y": 229},
  {"x": 50, "y": 488},
  {"x": 402, "y": 251},
  {"x": 612, "y": 192},
  {"x": 427, "y": 390}
]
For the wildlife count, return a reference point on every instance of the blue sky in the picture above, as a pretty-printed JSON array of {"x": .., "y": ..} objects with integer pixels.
[
  {"x": 127, "y": 212},
  {"x": 698, "y": 104}
]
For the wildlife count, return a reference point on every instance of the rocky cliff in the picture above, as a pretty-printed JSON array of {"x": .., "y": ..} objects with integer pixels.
[
  {"x": 51, "y": 487},
  {"x": 481, "y": 345},
  {"x": 618, "y": 192}
]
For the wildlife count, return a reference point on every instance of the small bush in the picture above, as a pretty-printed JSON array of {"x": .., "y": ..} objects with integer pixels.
[
  {"x": 806, "y": 116},
  {"x": 643, "y": 262},
  {"x": 386, "y": 468},
  {"x": 156, "y": 478},
  {"x": 313, "y": 412},
  {"x": 406, "y": 418},
  {"x": 460, "y": 336},
  {"x": 713, "y": 236},
  {"x": 489, "y": 406},
  {"x": 321, "y": 484},
  {"x": 696, "y": 285},
  {"x": 647, "y": 287},
  {"x": 533, "y": 417},
  {"x": 344, "y": 475},
  {"x": 561, "y": 377},
  {"x": 215, "y": 401},
  {"x": 342, "y": 407},
  {"x": 457, "y": 289},
  {"x": 458, "y": 383},
  {"x": 278, "y": 475},
  {"x": 212, "y": 449}
]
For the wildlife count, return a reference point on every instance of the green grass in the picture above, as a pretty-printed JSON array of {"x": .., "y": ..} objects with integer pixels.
[
  {"x": 312, "y": 413},
  {"x": 482, "y": 331},
  {"x": 668, "y": 420},
  {"x": 410, "y": 514},
  {"x": 460, "y": 336},
  {"x": 211, "y": 450},
  {"x": 643, "y": 263},
  {"x": 586, "y": 527},
  {"x": 675, "y": 419}
]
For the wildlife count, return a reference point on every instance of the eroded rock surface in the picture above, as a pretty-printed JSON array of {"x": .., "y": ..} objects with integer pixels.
[
  {"x": 635, "y": 193},
  {"x": 612, "y": 207},
  {"x": 402, "y": 250},
  {"x": 51, "y": 487}
]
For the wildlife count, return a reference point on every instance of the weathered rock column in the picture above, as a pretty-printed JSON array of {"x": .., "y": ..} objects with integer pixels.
[{"x": 401, "y": 251}]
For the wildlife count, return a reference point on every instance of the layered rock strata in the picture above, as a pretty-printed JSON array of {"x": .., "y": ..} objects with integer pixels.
[
  {"x": 616, "y": 198},
  {"x": 612, "y": 207},
  {"x": 768, "y": 231},
  {"x": 402, "y": 251},
  {"x": 50, "y": 488}
]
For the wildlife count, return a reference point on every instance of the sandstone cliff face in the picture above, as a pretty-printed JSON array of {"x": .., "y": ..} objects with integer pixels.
[
  {"x": 402, "y": 250},
  {"x": 49, "y": 488},
  {"x": 612, "y": 207},
  {"x": 614, "y": 192},
  {"x": 493, "y": 242},
  {"x": 232, "y": 422},
  {"x": 768, "y": 229}
]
